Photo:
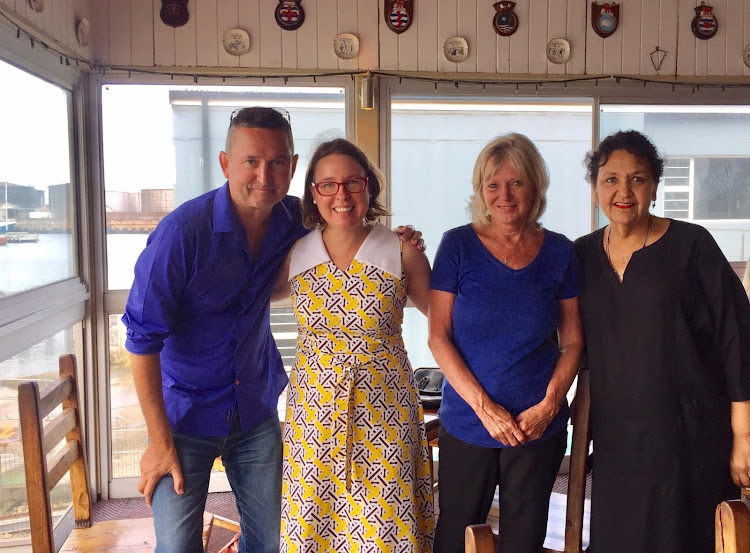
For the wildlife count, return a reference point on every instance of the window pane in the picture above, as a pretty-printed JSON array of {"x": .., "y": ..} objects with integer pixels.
[
  {"x": 162, "y": 144},
  {"x": 38, "y": 363},
  {"x": 129, "y": 434},
  {"x": 36, "y": 194},
  {"x": 707, "y": 170},
  {"x": 435, "y": 142}
]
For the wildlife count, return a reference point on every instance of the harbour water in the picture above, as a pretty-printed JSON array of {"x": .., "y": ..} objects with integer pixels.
[{"x": 24, "y": 266}]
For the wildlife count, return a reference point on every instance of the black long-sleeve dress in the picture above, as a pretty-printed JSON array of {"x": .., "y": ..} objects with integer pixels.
[{"x": 668, "y": 349}]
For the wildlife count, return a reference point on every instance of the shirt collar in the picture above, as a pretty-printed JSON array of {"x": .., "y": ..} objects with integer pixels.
[
  {"x": 223, "y": 212},
  {"x": 380, "y": 249}
]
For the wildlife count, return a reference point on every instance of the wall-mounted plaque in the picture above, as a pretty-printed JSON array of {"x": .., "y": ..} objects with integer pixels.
[
  {"x": 346, "y": 46},
  {"x": 456, "y": 49},
  {"x": 236, "y": 42},
  {"x": 558, "y": 50}
]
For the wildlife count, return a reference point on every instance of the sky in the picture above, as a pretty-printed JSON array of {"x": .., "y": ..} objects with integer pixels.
[{"x": 34, "y": 138}]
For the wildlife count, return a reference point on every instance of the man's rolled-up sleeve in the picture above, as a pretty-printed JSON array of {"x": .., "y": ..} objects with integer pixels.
[{"x": 161, "y": 273}]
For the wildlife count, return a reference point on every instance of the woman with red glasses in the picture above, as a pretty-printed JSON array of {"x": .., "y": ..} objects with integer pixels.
[{"x": 356, "y": 473}]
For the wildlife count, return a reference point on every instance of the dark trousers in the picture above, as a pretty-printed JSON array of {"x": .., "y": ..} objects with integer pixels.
[{"x": 468, "y": 475}]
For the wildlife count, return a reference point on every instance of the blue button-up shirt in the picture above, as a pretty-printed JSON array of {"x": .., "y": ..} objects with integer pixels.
[{"x": 202, "y": 300}]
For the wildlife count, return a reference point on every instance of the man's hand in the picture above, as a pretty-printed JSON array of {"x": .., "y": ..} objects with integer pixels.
[
  {"x": 157, "y": 461},
  {"x": 409, "y": 235}
]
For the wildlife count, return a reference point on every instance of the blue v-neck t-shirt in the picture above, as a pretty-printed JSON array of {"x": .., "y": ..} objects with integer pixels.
[{"x": 504, "y": 325}]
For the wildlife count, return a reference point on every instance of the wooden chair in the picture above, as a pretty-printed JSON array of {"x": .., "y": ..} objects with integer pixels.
[
  {"x": 732, "y": 524},
  {"x": 133, "y": 536},
  {"x": 481, "y": 539}
]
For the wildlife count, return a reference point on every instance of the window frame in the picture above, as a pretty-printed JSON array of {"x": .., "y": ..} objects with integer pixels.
[
  {"x": 31, "y": 316},
  {"x": 112, "y": 302}
]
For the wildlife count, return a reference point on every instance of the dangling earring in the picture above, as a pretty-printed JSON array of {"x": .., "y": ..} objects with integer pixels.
[
  {"x": 653, "y": 204},
  {"x": 596, "y": 205},
  {"x": 316, "y": 203}
]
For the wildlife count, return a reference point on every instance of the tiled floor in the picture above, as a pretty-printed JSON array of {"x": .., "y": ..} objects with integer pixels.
[
  {"x": 217, "y": 503},
  {"x": 223, "y": 504}
]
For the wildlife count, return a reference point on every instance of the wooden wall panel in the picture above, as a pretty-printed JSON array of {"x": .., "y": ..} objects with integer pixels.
[
  {"x": 141, "y": 19},
  {"x": 594, "y": 47},
  {"x": 227, "y": 17},
  {"x": 57, "y": 21},
  {"x": 249, "y": 19},
  {"x": 327, "y": 30},
  {"x": 686, "y": 54},
  {"x": 270, "y": 36},
  {"x": 408, "y": 46},
  {"x": 119, "y": 32},
  {"x": 368, "y": 16},
  {"x": 576, "y": 29},
  {"x": 427, "y": 25},
  {"x": 734, "y": 41},
  {"x": 289, "y": 49},
  {"x": 538, "y": 20},
  {"x": 518, "y": 43},
  {"x": 388, "y": 41},
  {"x": 668, "y": 29},
  {"x": 164, "y": 45},
  {"x": 307, "y": 38},
  {"x": 467, "y": 28},
  {"x": 557, "y": 24},
  {"x": 447, "y": 26},
  {"x": 629, "y": 30},
  {"x": 58, "y": 27},
  {"x": 348, "y": 22},
  {"x": 649, "y": 35},
  {"x": 486, "y": 41},
  {"x": 206, "y": 31},
  {"x": 185, "y": 44},
  {"x": 717, "y": 45},
  {"x": 130, "y": 32}
]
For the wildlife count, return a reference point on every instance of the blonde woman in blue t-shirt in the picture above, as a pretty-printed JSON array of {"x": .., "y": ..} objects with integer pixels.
[{"x": 505, "y": 330}]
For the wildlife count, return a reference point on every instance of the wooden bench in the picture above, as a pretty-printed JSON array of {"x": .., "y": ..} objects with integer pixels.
[
  {"x": 39, "y": 439},
  {"x": 481, "y": 539}
]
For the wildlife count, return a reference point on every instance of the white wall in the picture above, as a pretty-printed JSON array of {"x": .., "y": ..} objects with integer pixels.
[
  {"x": 57, "y": 21},
  {"x": 130, "y": 33}
]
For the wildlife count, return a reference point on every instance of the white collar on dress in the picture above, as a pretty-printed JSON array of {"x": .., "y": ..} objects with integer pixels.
[{"x": 380, "y": 249}]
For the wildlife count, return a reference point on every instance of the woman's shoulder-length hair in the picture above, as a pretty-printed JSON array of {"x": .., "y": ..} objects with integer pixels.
[{"x": 523, "y": 156}]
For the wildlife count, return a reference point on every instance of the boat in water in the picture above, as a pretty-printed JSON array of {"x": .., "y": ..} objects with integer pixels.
[{"x": 21, "y": 237}]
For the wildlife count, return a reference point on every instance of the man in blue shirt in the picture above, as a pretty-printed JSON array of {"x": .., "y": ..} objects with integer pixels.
[{"x": 205, "y": 366}]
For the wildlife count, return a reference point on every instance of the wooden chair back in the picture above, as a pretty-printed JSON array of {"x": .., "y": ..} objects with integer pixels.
[
  {"x": 732, "y": 524},
  {"x": 481, "y": 539},
  {"x": 39, "y": 439}
]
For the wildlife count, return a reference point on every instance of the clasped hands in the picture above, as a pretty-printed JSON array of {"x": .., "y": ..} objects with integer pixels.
[{"x": 527, "y": 426}]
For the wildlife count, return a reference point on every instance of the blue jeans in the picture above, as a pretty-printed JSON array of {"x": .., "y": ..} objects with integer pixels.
[{"x": 253, "y": 465}]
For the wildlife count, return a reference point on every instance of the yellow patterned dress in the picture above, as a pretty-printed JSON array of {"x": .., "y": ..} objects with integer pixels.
[{"x": 356, "y": 468}]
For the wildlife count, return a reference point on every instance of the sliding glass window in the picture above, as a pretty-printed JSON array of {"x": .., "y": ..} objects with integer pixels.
[
  {"x": 42, "y": 301},
  {"x": 161, "y": 148},
  {"x": 707, "y": 172},
  {"x": 435, "y": 140}
]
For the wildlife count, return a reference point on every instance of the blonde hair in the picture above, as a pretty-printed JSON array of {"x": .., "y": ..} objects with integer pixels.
[
  {"x": 523, "y": 157},
  {"x": 746, "y": 277}
]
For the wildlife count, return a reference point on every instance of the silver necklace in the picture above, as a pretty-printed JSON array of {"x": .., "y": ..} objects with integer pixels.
[{"x": 624, "y": 259}]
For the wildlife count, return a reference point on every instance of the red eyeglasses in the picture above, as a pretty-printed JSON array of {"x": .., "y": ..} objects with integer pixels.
[{"x": 351, "y": 185}]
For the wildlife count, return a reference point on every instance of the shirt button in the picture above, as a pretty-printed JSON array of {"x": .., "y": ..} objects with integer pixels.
[{"x": 236, "y": 382}]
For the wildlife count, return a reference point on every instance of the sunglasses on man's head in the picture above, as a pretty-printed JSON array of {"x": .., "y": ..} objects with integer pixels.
[{"x": 282, "y": 111}]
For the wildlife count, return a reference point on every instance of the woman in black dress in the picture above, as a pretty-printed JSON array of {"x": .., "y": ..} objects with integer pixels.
[{"x": 667, "y": 329}]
